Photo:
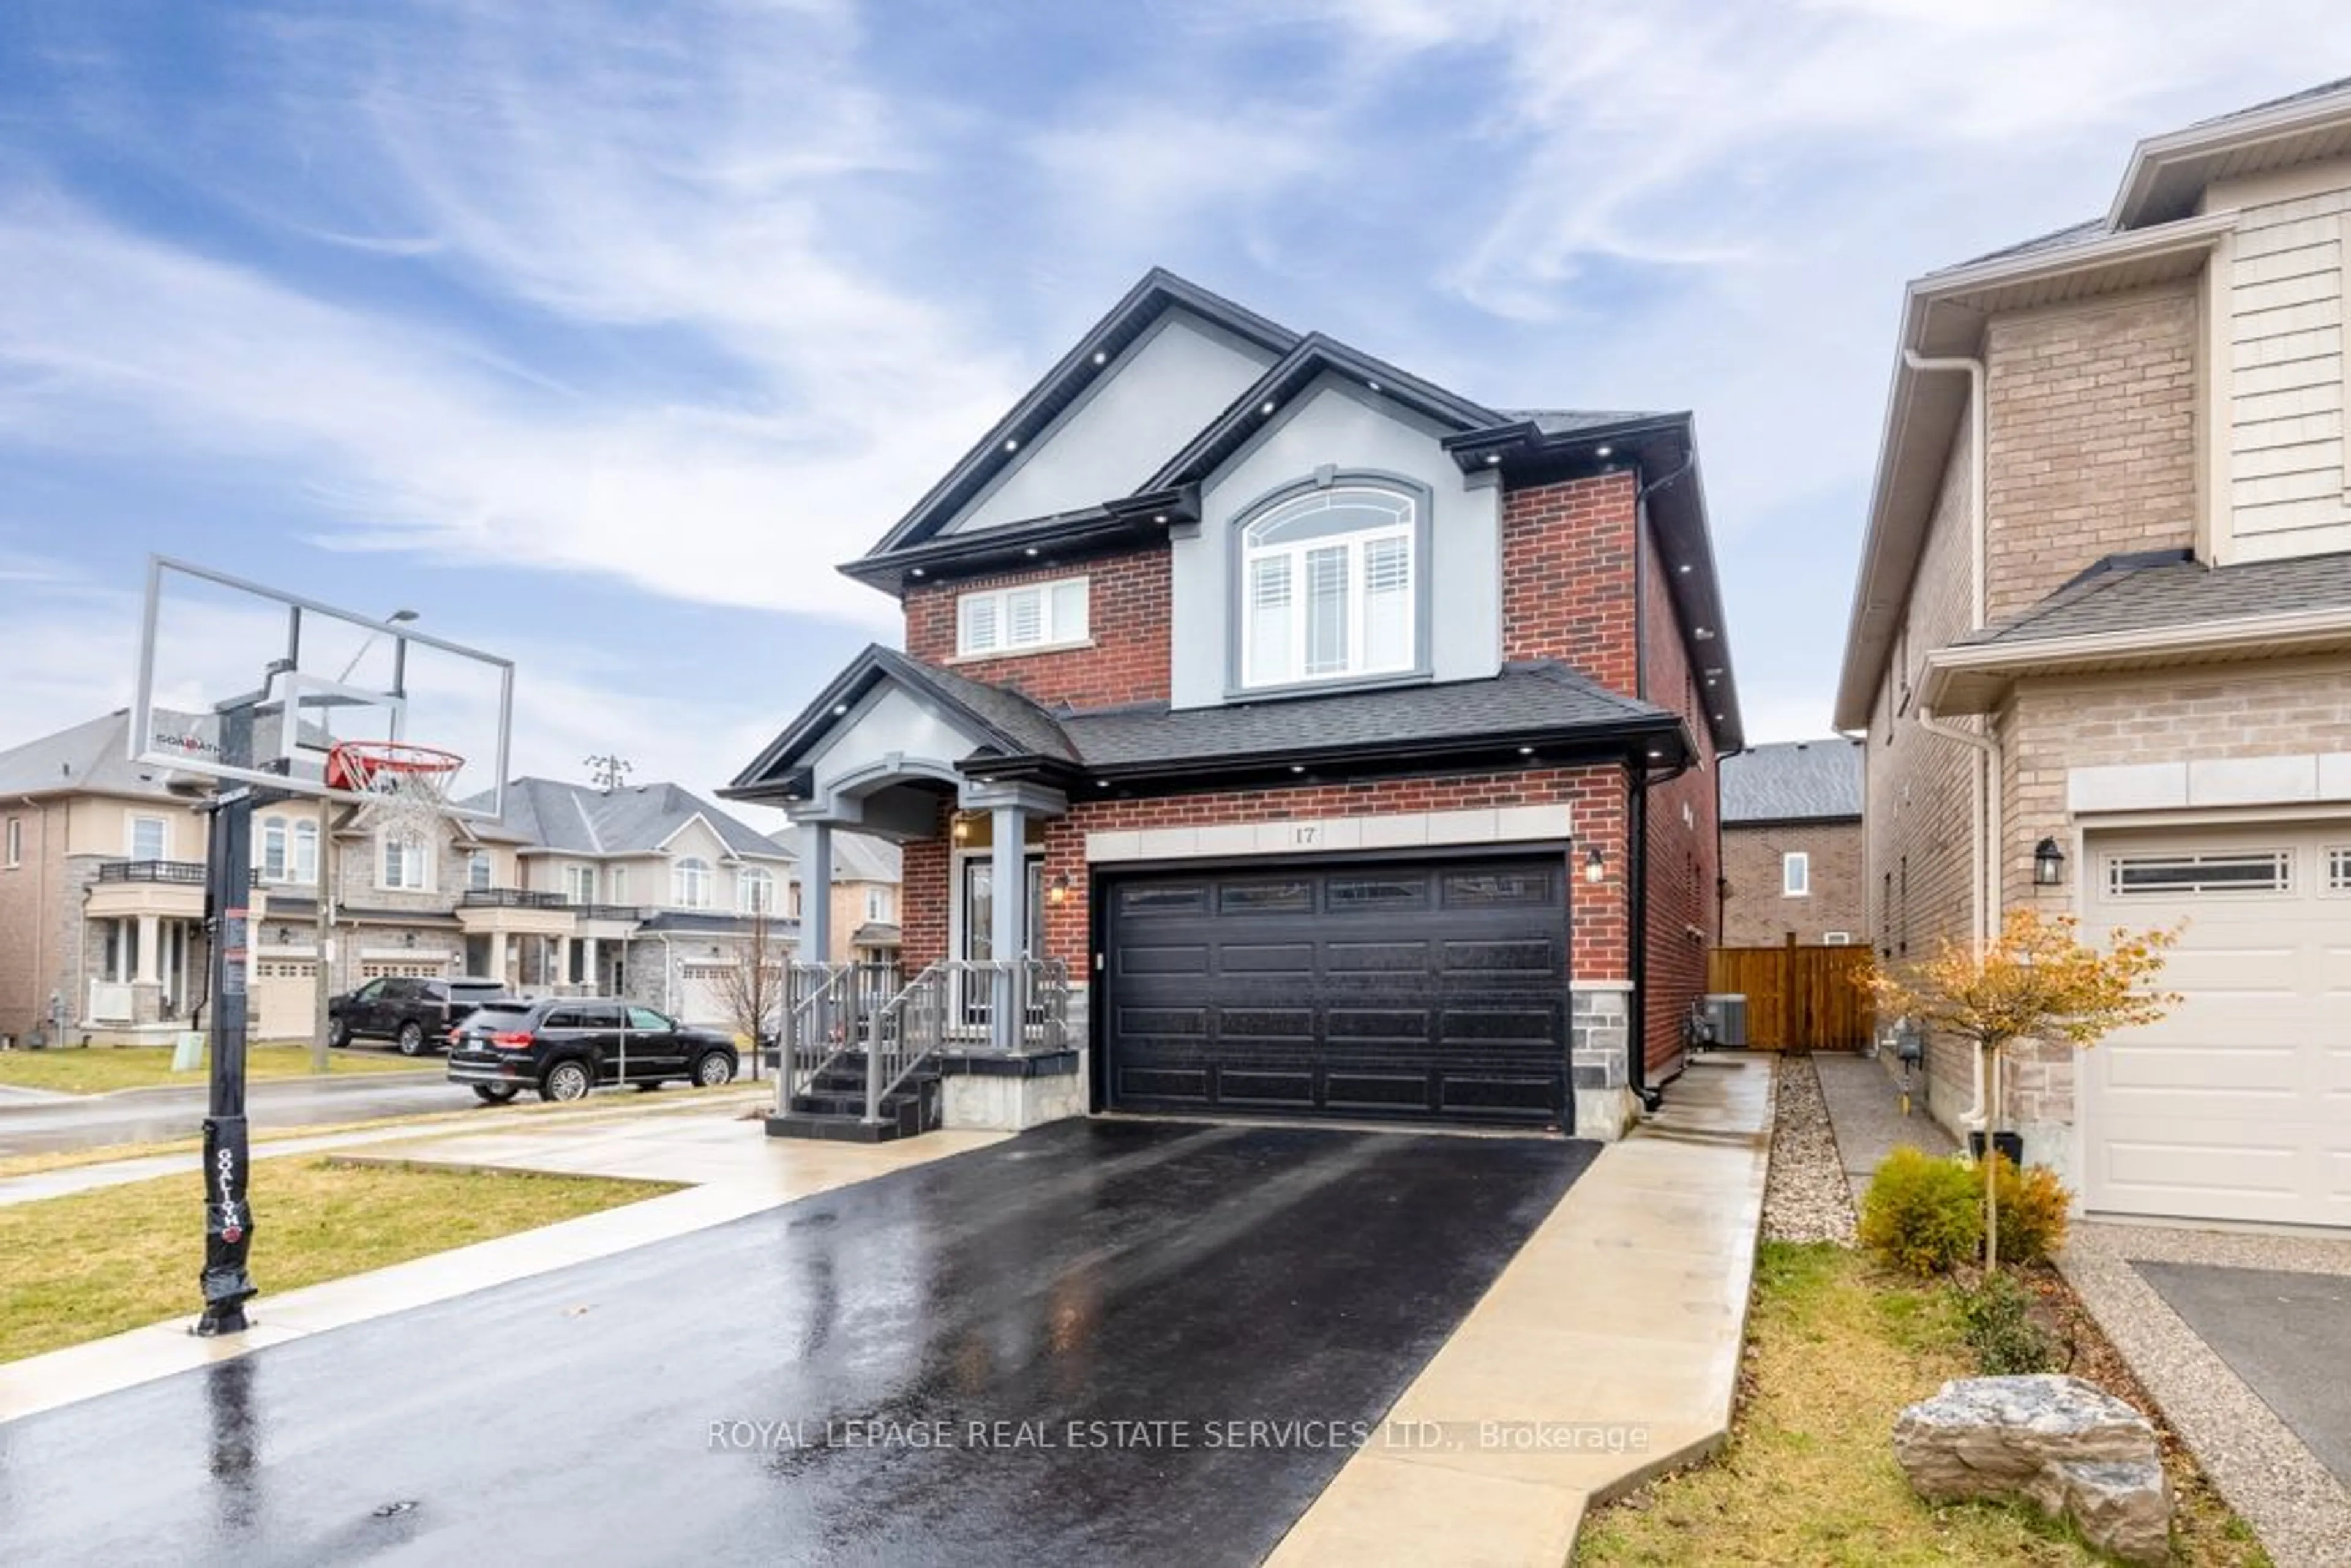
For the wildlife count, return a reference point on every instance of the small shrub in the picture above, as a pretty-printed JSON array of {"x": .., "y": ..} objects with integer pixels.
[
  {"x": 2032, "y": 1204},
  {"x": 1923, "y": 1214},
  {"x": 1997, "y": 1319}
]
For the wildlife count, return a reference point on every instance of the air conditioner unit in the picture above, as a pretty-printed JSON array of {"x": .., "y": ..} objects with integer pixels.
[{"x": 1726, "y": 1017}]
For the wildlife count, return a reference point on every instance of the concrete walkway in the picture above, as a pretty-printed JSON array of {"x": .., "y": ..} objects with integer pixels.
[
  {"x": 1606, "y": 1353},
  {"x": 1864, "y": 1104},
  {"x": 737, "y": 1171}
]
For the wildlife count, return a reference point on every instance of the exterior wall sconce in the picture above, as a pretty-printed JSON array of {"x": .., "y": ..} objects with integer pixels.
[
  {"x": 1059, "y": 892},
  {"x": 2048, "y": 864},
  {"x": 962, "y": 829},
  {"x": 1594, "y": 866}
]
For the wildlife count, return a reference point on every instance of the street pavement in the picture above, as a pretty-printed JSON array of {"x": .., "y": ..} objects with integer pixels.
[
  {"x": 1049, "y": 1350},
  {"x": 159, "y": 1115}
]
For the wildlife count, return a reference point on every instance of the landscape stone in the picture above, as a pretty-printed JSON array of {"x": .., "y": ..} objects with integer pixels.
[{"x": 2065, "y": 1445}]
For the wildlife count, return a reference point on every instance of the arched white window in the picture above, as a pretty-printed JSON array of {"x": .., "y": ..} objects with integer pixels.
[
  {"x": 306, "y": 852},
  {"x": 1328, "y": 587},
  {"x": 754, "y": 890},
  {"x": 273, "y": 849},
  {"x": 690, "y": 883},
  {"x": 405, "y": 865}
]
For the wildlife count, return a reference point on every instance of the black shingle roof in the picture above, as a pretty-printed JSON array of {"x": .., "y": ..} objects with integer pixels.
[
  {"x": 1523, "y": 699},
  {"x": 1795, "y": 780},
  {"x": 2140, "y": 593}
]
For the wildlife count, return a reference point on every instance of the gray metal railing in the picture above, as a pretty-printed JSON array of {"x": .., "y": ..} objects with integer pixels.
[{"x": 835, "y": 1010}]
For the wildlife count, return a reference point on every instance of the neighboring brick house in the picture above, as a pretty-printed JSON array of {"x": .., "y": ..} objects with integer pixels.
[
  {"x": 2100, "y": 645},
  {"x": 1791, "y": 845},
  {"x": 103, "y": 897},
  {"x": 1350, "y": 742}
]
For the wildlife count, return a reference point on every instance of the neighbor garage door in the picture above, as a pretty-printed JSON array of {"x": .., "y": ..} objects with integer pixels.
[
  {"x": 2237, "y": 1106},
  {"x": 1428, "y": 990}
]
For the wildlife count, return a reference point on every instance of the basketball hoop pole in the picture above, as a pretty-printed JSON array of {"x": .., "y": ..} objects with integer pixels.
[{"x": 228, "y": 1218}]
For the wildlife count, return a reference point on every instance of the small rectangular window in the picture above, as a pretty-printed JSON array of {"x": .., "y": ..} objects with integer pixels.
[
  {"x": 1345, "y": 892},
  {"x": 1013, "y": 620},
  {"x": 1285, "y": 897},
  {"x": 1482, "y": 890},
  {"x": 16, "y": 856},
  {"x": 1837, "y": 939},
  {"x": 1796, "y": 874},
  {"x": 2338, "y": 870},
  {"x": 150, "y": 838},
  {"x": 2172, "y": 877},
  {"x": 1148, "y": 901}
]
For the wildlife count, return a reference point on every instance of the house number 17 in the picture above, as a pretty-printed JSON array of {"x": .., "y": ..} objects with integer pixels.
[{"x": 1305, "y": 835}]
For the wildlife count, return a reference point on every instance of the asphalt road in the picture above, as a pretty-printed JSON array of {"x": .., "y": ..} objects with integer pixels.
[
  {"x": 157, "y": 1115},
  {"x": 1090, "y": 1272}
]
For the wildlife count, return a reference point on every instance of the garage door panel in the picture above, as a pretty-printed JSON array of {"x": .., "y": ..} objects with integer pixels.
[
  {"x": 1155, "y": 960},
  {"x": 1409, "y": 990},
  {"x": 2224, "y": 1110},
  {"x": 2203, "y": 1069},
  {"x": 1163, "y": 1020},
  {"x": 1266, "y": 958},
  {"x": 1406, "y": 1024},
  {"x": 1375, "y": 957}
]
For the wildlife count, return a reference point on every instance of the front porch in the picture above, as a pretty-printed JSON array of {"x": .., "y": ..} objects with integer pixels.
[{"x": 870, "y": 1055}]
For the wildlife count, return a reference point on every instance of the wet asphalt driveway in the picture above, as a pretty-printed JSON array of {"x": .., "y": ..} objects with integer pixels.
[{"x": 890, "y": 1372}]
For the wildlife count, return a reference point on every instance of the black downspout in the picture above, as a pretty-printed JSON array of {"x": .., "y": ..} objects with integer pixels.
[{"x": 1636, "y": 850}]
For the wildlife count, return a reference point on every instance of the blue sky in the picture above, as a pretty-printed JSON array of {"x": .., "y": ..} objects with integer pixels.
[{"x": 598, "y": 334}]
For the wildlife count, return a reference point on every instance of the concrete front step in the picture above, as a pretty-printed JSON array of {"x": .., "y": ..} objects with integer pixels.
[{"x": 840, "y": 1113}]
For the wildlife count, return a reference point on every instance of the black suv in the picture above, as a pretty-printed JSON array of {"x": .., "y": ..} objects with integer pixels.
[
  {"x": 565, "y": 1046},
  {"x": 416, "y": 1015}
]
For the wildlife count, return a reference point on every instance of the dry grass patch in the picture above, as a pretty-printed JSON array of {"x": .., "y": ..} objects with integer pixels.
[
  {"x": 1835, "y": 1348},
  {"x": 100, "y": 1069},
  {"x": 97, "y": 1263}
]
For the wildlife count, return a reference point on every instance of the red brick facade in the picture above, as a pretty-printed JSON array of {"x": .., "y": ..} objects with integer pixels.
[
  {"x": 1567, "y": 576},
  {"x": 1128, "y": 648},
  {"x": 1569, "y": 593},
  {"x": 1683, "y": 846}
]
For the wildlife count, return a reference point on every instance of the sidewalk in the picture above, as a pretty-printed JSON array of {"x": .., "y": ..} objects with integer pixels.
[
  {"x": 1623, "y": 1317},
  {"x": 1864, "y": 1104}
]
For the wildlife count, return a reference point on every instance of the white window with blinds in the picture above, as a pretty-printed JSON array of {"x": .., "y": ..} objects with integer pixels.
[
  {"x": 1034, "y": 616},
  {"x": 1330, "y": 588}
]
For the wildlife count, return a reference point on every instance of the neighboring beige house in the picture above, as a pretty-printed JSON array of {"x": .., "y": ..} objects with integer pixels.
[
  {"x": 1791, "y": 845},
  {"x": 645, "y": 892},
  {"x": 2101, "y": 648},
  {"x": 865, "y": 878}
]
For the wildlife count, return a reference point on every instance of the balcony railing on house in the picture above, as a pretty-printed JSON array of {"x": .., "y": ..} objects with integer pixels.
[
  {"x": 834, "y": 1011},
  {"x": 511, "y": 898}
]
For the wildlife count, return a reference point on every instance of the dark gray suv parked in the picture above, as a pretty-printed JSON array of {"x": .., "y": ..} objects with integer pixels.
[
  {"x": 565, "y": 1046},
  {"x": 416, "y": 1015}
]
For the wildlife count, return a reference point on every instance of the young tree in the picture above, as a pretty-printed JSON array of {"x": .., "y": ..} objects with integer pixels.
[
  {"x": 752, "y": 987},
  {"x": 2038, "y": 981}
]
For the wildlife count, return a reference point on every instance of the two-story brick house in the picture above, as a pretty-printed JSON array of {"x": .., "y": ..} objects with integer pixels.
[
  {"x": 2101, "y": 646},
  {"x": 1351, "y": 742},
  {"x": 1791, "y": 845}
]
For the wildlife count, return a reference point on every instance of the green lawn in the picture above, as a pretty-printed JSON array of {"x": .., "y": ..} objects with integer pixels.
[
  {"x": 97, "y": 1263},
  {"x": 1808, "y": 1476},
  {"x": 94, "y": 1069}
]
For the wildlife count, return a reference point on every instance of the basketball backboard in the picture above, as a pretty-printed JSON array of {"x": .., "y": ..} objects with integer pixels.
[{"x": 239, "y": 681}]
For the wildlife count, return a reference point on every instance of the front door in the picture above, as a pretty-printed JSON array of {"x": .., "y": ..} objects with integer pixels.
[{"x": 979, "y": 926}]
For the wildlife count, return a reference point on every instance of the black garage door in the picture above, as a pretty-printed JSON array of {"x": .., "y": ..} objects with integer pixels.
[{"x": 1426, "y": 990}]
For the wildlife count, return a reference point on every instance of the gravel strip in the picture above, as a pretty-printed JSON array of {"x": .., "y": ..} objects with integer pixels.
[
  {"x": 1806, "y": 1199},
  {"x": 2301, "y": 1512}
]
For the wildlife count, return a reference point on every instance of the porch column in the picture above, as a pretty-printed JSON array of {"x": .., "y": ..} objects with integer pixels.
[
  {"x": 1009, "y": 896},
  {"x": 498, "y": 956},
  {"x": 563, "y": 957},
  {"x": 590, "y": 973},
  {"x": 151, "y": 949},
  {"x": 816, "y": 894}
]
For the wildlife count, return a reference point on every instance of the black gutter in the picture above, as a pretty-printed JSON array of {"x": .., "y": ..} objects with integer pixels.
[
  {"x": 1637, "y": 1031},
  {"x": 1131, "y": 522},
  {"x": 1625, "y": 740}
]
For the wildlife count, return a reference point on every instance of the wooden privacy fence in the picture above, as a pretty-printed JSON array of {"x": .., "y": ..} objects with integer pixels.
[{"x": 1798, "y": 998}]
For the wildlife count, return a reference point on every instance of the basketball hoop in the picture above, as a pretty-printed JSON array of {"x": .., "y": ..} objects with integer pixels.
[{"x": 407, "y": 786}]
